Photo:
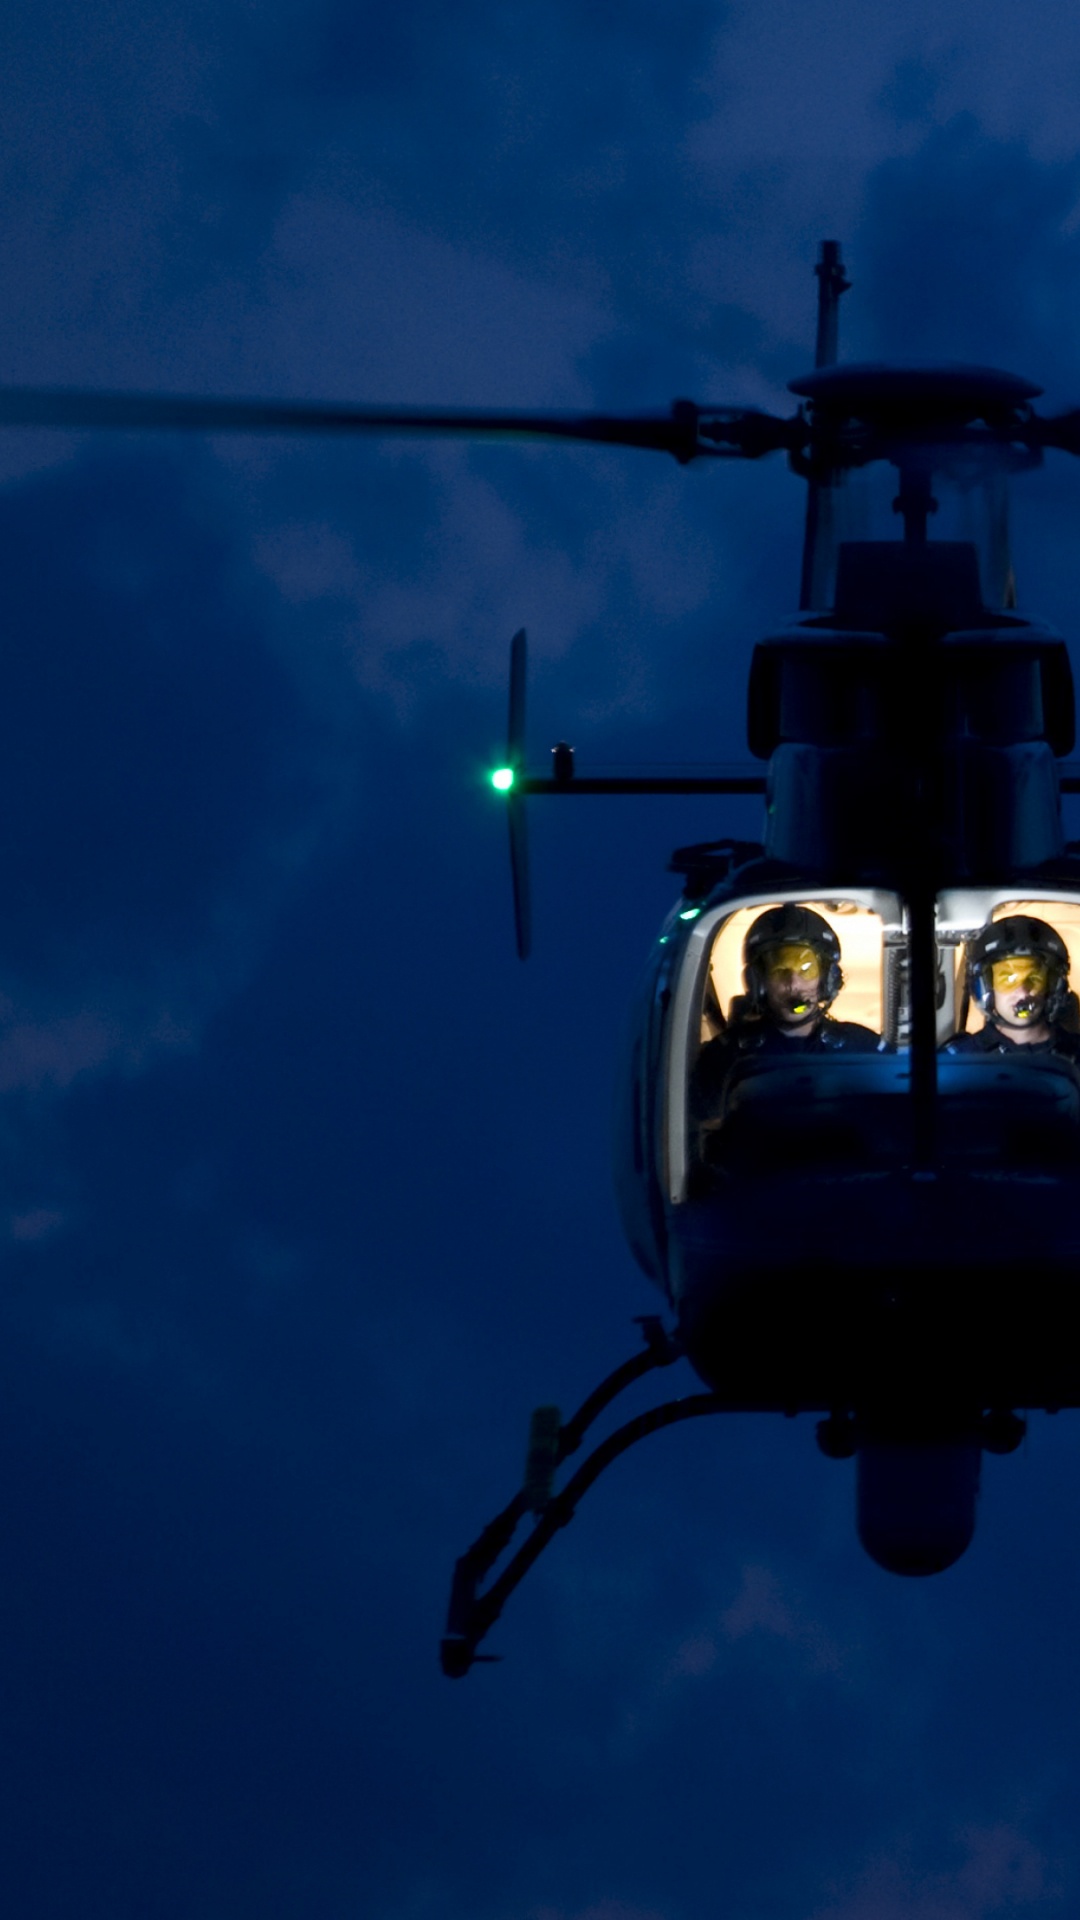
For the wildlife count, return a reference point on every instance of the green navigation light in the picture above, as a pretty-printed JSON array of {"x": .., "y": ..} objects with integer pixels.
[
  {"x": 690, "y": 913},
  {"x": 502, "y": 779}
]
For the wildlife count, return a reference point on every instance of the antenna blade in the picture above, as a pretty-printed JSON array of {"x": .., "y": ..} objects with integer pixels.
[
  {"x": 819, "y": 532},
  {"x": 515, "y": 732},
  {"x": 519, "y": 872},
  {"x": 1060, "y": 430}
]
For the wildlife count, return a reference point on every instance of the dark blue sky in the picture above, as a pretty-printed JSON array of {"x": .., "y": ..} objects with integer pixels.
[{"x": 306, "y": 1182}]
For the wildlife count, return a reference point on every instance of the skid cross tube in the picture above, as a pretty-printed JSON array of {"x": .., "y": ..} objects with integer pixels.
[{"x": 472, "y": 1614}]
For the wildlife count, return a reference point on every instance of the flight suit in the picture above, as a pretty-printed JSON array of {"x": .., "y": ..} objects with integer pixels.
[{"x": 994, "y": 1039}]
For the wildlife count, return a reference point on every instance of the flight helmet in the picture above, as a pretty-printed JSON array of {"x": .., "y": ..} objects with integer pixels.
[
  {"x": 791, "y": 926},
  {"x": 1018, "y": 937}
]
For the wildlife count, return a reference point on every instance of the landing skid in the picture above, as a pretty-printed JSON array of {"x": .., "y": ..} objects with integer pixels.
[{"x": 472, "y": 1614}]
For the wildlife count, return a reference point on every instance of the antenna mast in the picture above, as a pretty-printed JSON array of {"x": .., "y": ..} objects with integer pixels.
[{"x": 818, "y": 539}]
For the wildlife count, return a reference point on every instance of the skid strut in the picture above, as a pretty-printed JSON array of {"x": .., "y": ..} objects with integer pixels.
[{"x": 471, "y": 1613}]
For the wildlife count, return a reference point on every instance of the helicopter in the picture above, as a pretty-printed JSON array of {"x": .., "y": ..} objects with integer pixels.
[
  {"x": 911, "y": 732},
  {"x": 916, "y": 729}
]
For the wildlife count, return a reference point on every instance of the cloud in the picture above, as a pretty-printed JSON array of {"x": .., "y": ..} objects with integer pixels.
[
  {"x": 40, "y": 1224},
  {"x": 157, "y": 771},
  {"x": 1000, "y": 1870},
  {"x": 760, "y": 1611},
  {"x": 968, "y": 251}
]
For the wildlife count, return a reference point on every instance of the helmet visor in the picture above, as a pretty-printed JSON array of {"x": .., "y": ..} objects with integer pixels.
[
  {"x": 1025, "y": 970},
  {"x": 802, "y": 963}
]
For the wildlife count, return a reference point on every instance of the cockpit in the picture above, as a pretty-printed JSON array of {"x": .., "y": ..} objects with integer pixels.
[{"x": 745, "y": 1095}]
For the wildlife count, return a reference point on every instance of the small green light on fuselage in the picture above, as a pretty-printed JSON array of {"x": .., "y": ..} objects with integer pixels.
[
  {"x": 690, "y": 913},
  {"x": 502, "y": 779}
]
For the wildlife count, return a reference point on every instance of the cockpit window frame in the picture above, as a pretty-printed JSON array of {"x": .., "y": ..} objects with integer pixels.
[{"x": 689, "y": 987}]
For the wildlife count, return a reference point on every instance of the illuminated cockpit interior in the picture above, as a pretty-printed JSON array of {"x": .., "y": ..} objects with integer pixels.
[
  {"x": 963, "y": 911},
  {"x": 710, "y": 998},
  {"x": 860, "y": 932},
  {"x": 712, "y": 1008}
]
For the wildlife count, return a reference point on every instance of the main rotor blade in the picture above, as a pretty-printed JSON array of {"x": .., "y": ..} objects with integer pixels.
[
  {"x": 1061, "y": 430},
  {"x": 686, "y": 431}
]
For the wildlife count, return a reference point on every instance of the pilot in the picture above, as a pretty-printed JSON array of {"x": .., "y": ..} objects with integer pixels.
[
  {"x": 791, "y": 967},
  {"x": 1018, "y": 977}
]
